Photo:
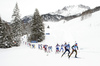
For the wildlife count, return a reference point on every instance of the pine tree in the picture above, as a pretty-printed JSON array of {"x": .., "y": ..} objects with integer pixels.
[
  {"x": 5, "y": 38},
  {"x": 8, "y": 39},
  {"x": 37, "y": 33},
  {"x": 16, "y": 26},
  {"x": 86, "y": 14},
  {"x": 1, "y": 32}
]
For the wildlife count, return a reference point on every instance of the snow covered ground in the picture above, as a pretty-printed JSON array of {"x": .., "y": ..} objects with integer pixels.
[{"x": 86, "y": 33}]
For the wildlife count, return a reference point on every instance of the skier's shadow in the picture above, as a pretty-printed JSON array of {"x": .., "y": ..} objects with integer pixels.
[{"x": 76, "y": 57}]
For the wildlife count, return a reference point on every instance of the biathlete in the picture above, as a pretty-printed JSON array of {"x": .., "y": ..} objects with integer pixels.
[
  {"x": 57, "y": 47},
  {"x": 67, "y": 48},
  {"x": 45, "y": 48},
  {"x": 62, "y": 48},
  {"x": 74, "y": 49}
]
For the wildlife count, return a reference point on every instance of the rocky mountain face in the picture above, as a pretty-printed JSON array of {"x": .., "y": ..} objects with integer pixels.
[
  {"x": 66, "y": 13},
  {"x": 71, "y": 10}
]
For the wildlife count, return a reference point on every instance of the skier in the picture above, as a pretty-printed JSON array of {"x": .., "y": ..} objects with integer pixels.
[
  {"x": 62, "y": 48},
  {"x": 74, "y": 49},
  {"x": 67, "y": 48},
  {"x": 57, "y": 47},
  {"x": 38, "y": 46},
  {"x": 41, "y": 46},
  {"x": 45, "y": 48},
  {"x": 49, "y": 48},
  {"x": 33, "y": 46},
  {"x": 29, "y": 45}
]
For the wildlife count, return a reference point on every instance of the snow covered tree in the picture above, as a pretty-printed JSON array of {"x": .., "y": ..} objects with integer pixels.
[
  {"x": 86, "y": 14},
  {"x": 5, "y": 37},
  {"x": 37, "y": 33},
  {"x": 16, "y": 26},
  {"x": 1, "y": 33}
]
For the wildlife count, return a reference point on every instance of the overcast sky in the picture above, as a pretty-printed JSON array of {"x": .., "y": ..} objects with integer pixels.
[{"x": 27, "y": 7}]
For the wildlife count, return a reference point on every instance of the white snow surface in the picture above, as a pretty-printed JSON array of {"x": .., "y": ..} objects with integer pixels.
[{"x": 86, "y": 33}]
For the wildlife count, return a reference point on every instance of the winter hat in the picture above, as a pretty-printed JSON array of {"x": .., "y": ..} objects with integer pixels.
[{"x": 76, "y": 44}]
